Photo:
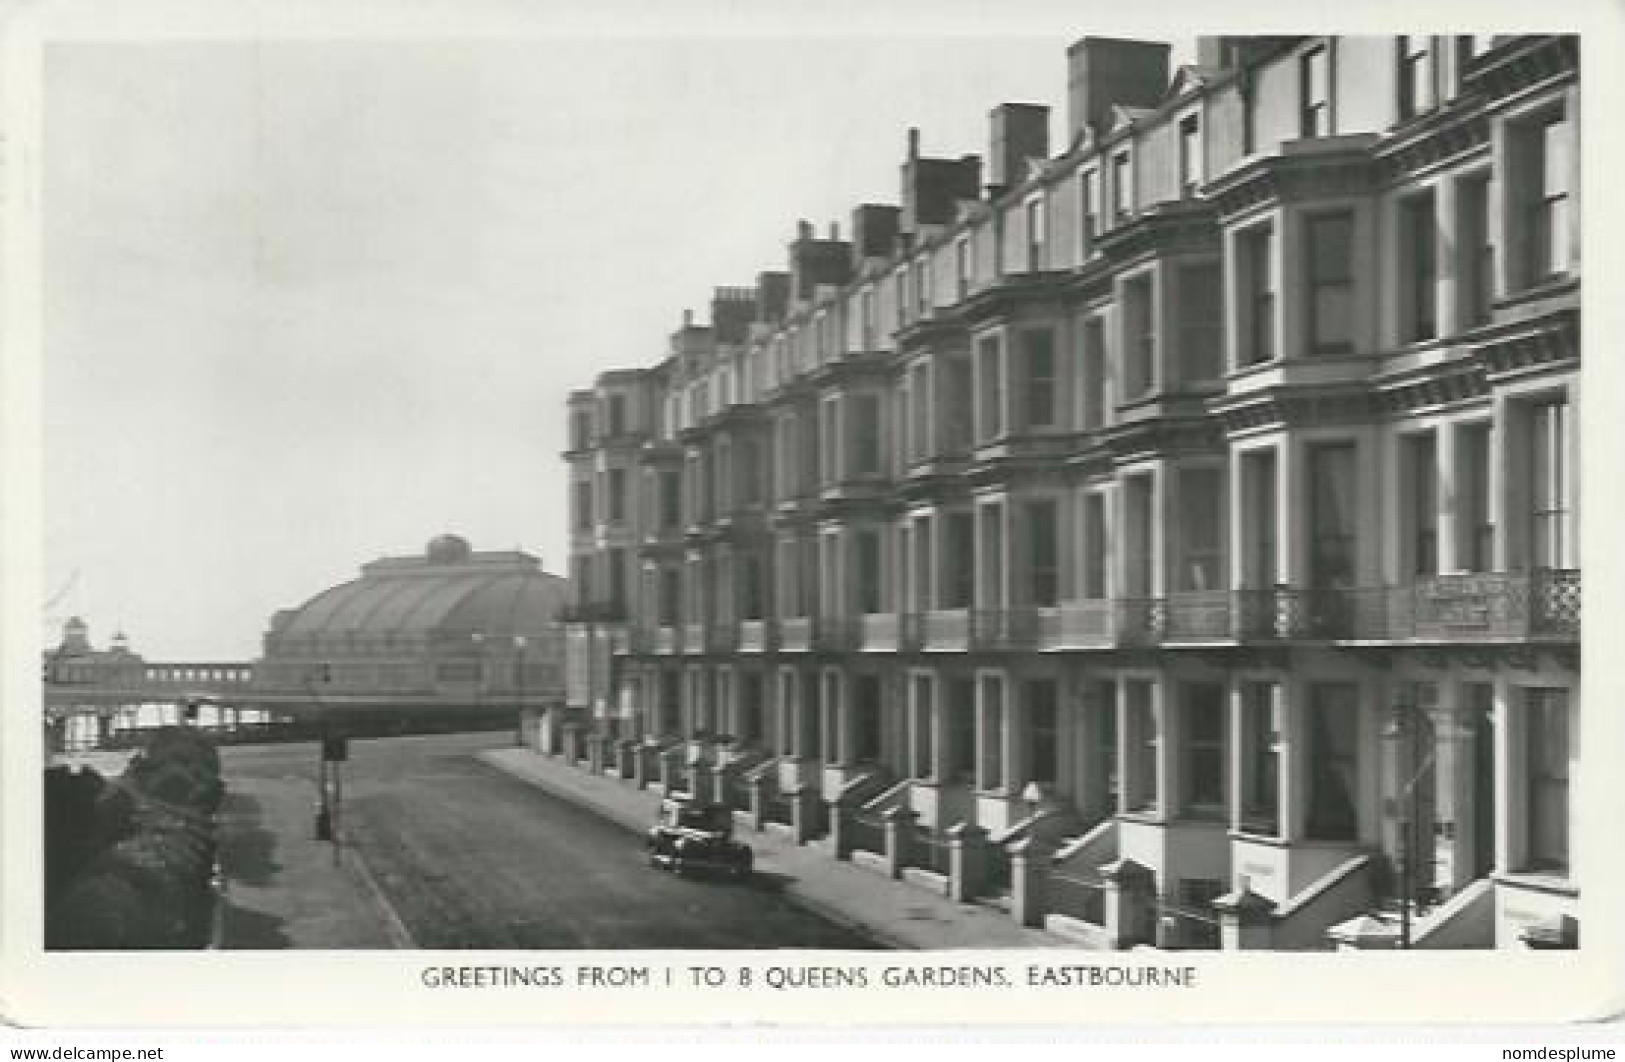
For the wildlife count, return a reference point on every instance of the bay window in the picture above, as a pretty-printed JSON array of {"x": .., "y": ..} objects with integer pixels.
[{"x": 1331, "y": 283}]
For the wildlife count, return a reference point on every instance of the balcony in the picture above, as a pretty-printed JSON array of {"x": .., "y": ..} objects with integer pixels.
[
  {"x": 723, "y": 637},
  {"x": 945, "y": 631},
  {"x": 755, "y": 636},
  {"x": 1004, "y": 628},
  {"x": 663, "y": 640},
  {"x": 879, "y": 632},
  {"x": 1198, "y": 616},
  {"x": 606, "y": 612},
  {"x": 693, "y": 637},
  {"x": 1089, "y": 624},
  {"x": 1544, "y": 603},
  {"x": 1460, "y": 607},
  {"x": 838, "y": 633},
  {"x": 795, "y": 634}
]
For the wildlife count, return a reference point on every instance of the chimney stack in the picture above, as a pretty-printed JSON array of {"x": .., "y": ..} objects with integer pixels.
[
  {"x": 1106, "y": 72},
  {"x": 874, "y": 232},
  {"x": 1018, "y": 132},
  {"x": 814, "y": 262},
  {"x": 772, "y": 294},
  {"x": 932, "y": 187}
]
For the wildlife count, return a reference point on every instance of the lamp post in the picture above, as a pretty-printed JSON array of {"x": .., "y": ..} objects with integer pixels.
[
  {"x": 1405, "y": 732},
  {"x": 519, "y": 684}
]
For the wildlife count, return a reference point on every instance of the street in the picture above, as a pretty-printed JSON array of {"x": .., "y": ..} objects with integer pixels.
[{"x": 465, "y": 857}]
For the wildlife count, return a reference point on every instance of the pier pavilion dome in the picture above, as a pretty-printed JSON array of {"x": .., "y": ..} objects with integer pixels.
[{"x": 451, "y": 623}]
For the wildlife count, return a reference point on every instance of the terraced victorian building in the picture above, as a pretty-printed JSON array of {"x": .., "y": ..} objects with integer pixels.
[{"x": 1176, "y": 507}]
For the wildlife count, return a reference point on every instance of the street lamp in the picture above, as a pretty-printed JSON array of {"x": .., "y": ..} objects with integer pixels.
[
  {"x": 519, "y": 683},
  {"x": 1404, "y": 731}
]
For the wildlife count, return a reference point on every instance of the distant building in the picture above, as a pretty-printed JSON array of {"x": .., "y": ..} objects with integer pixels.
[
  {"x": 449, "y": 629},
  {"x": 1195, "y": 491},
  {"x": 75, "y": 662}
]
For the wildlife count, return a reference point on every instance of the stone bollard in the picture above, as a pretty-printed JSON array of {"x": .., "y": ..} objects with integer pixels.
[
  {"x": 700, "y": 779},
  {"x": 671, "y": 772},
  {"x": 758, "y": 802},
  {"x": 719, "y": 786},
  {"x": 1246, "y": 920},
  {"x": 899, "y": 835},
  {"x": 595, "y": 754},
  {"x": 1130, "y": 891},
  {"x": 804, "y": 807},
  {"x": 840, "y": 828},
  {"x": 967, "y": 861},
  {"x": 572, "y": 743},
  {"x": 1030, "y": 863}
]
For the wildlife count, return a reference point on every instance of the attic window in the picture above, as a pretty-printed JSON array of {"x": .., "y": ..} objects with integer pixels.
[
  {"x": 1037, "y": 235},
  {"x": 1315, "y": 92},
  {"x": 1089, "y": 193},
  {"x": 1190, "y": 155},
  {"x": 1122, "y": 189},
  {"x": 1416, "y": 76}
]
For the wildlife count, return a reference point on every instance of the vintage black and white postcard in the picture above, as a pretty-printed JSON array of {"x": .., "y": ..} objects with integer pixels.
[{"x": 540, "y": 513}]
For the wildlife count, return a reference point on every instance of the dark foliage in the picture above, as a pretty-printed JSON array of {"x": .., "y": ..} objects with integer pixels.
[{"x": 128, "y": 864}]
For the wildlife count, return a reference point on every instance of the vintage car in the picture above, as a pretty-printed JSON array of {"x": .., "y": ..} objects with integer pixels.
[{"x": 693, "y": 835}]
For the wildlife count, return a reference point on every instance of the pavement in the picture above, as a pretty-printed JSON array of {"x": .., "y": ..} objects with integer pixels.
[
  {"x": 284, "y": 888},
  {"x": 445, "y": 851},
  {"x": 897, "y": 914}
]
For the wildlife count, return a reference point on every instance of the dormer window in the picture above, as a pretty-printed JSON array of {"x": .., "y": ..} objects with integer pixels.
[
  {"x": 1037, "y": 235},
  {"x": 1190, "y": 155},
  {"x": 1122, "y": 187},
  {"x": 1315, "y": 93},
  {"x": 1089, "y": 203},
  {"x": 1417, "y": 89}
]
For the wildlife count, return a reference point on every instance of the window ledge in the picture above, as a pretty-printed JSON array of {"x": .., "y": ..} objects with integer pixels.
[
  {"x": 1536, "y": 881},
  {"x": 1217, "y": 821},
  {"x": 1252, "y": 837},
  {"x": 1546, "y": 288}
]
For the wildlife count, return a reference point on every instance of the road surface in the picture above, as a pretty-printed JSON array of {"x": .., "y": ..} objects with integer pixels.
[{"x": 468, "y": 857}]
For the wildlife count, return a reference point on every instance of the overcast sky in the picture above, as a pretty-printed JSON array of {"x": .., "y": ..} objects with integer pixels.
[{"x": 313, "y": 302}]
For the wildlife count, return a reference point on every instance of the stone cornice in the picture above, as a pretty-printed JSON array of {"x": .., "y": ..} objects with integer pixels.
[
  {"x": 1163, "y": 436},
  {"x": 1326, "y": 170},
  {"x": 1012, "y": 291},
  {"x": 1437, "y": 385},
  {"x": 1177, "y": 227},
  {"x": 1297, "y": 407},
  {"x": 1522, "y": 64},
  {"x": 867, "y": 365},
  {"x": 1532, "y": 345},
  {"x": 945, "y": 325},
  {"x": 660, "y": 451},
  {"x": 1430, "y": 140}
]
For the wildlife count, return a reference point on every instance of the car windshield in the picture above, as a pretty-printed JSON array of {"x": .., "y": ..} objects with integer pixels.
[{"x": 700, "y": 818}]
